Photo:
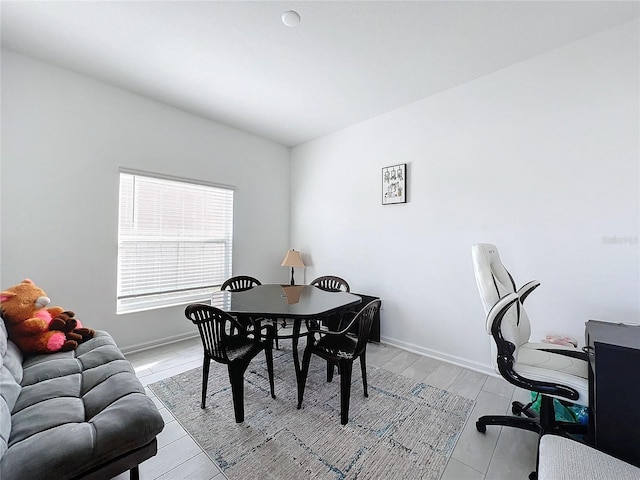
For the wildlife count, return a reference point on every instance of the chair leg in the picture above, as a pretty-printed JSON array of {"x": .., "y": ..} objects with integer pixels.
[
  {"x": 274, "y": 324},
  {"x": 205, "y": 380},
  {"x": 329, "y": 371},
  {"x": 519, "y": 408},
  {"x": 363, "y": 368},
  {"x": 268, "y": 352},
  {"x": 524, "y": 423},
  {"x": 340, "y": 321},
  {"x": 302, "y": 378},
  {"x": 284, "y": 325},
  {"x": 345, "y": 390},
  {"x": 134, "y": 473},
  {"x": 236, "y": 376},
  {"x": 547, "y": 414}
]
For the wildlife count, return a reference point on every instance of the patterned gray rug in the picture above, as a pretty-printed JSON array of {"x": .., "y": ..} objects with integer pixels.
[{"x": 403, "y": 430}]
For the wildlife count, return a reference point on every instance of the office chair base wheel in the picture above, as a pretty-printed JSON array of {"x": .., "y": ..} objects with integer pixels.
[
  {"x": 533, "y": 476},
  {"x": 516, "y": 408},
  {"x": 481, "y": 427},
  {"x": 519, "y": 409}
]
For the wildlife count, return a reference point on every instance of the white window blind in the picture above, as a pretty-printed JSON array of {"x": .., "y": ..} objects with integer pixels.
[{"x": 174, "y": 241}]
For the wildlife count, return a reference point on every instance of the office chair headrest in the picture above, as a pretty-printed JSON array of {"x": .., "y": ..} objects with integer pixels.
[{"x": 492, "y": 278}]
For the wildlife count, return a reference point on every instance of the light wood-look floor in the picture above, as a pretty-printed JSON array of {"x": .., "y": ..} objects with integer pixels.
[{"x": 501, "y": 453}]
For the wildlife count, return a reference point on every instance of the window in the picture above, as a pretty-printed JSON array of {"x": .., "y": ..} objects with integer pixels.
[{"x": 174, "y": 241}]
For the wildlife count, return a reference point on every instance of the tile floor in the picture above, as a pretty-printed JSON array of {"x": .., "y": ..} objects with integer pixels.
[{"x": 499, "y": 454}]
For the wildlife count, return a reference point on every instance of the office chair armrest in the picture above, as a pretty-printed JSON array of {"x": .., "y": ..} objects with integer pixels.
[
  {"x": 505, "y": 366},
  {"x": 573, "y": 353},
  {"x": 505, "y": 358},
  {"x": 526, "y": 289}
]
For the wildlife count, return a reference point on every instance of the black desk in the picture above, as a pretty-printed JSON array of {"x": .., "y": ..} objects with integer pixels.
[
  {"x": 614, "y": 388},
  {"x": 295, "y": 302}
]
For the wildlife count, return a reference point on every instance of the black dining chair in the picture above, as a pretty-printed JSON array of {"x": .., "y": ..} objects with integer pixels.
[
  {"x": 328, "y": 283},
  {"x": 341, "y": 349},
  {"x": 236, "y": 350},
  {"x": 240, "y": 283},
  {"x": 331, "y": 283}
]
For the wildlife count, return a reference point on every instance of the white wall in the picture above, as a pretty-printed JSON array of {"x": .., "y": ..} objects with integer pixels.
[
  {"x": 541, "y": 158},
  {"x": 64, "y": 136}
]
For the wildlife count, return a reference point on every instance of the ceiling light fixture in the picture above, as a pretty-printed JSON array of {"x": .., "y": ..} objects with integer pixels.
[{"x": 291, "y": 18}]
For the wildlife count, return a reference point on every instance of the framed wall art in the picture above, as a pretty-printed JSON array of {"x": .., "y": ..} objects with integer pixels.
[{"x": 394, "y": 184}]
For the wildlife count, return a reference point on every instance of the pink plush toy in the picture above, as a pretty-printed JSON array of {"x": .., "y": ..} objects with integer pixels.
[
  {"x": 558, "y": 340},
  {"x": 36, "y": 329}
]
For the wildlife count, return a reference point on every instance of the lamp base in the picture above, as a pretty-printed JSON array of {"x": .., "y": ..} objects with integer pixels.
[{"x": 292, "y": 280}]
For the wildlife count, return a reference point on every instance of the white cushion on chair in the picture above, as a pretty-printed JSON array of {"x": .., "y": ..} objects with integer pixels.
[
  {"x": 494, "y": 282},
  {"x": 565, "y": 459},
  {"x": 536, "y": 364}
]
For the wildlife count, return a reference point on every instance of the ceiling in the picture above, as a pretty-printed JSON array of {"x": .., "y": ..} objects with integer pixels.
[{"x": 235, "y": 62}]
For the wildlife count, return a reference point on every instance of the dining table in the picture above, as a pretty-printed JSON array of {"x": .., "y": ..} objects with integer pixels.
[{"x": 295, "y": 303}]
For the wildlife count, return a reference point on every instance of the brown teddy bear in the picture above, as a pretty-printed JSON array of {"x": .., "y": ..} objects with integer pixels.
[{"x": 36, "y": 329}]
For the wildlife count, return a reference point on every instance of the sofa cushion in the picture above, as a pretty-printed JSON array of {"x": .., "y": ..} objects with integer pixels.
[
  {"x": 10, "y": 378},
  {"x": 76, "y": 411}
]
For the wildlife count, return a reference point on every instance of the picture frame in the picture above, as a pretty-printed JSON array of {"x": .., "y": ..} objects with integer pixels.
[{"x": 394, "y": 184}]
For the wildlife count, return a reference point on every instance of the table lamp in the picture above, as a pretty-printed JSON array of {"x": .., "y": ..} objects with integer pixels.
[{"x": 292, "y": 259}]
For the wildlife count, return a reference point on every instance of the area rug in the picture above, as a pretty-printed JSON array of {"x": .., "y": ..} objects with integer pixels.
[{"x": 404, "y": 429}]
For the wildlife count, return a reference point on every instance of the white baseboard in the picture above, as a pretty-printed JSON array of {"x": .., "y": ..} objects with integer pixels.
[
  {"x": 140, "y": 347},
  {"x": 459, "y": 361},
  {"x": 455, "y": 360}
]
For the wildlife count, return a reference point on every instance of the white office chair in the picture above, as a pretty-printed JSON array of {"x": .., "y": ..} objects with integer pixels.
[{"x": 554, "y": 371}]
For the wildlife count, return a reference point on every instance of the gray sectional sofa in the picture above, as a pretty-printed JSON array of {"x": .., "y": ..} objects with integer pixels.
[{"x": 68, "y": 415}]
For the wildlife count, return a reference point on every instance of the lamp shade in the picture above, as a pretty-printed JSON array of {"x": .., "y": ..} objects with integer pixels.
[{"x": 292, "y": 259}]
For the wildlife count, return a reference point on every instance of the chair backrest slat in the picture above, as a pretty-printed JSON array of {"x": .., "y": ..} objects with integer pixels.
[
  {"x": 240, "y": 283},
  {"x": 331, "y": 283}
]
